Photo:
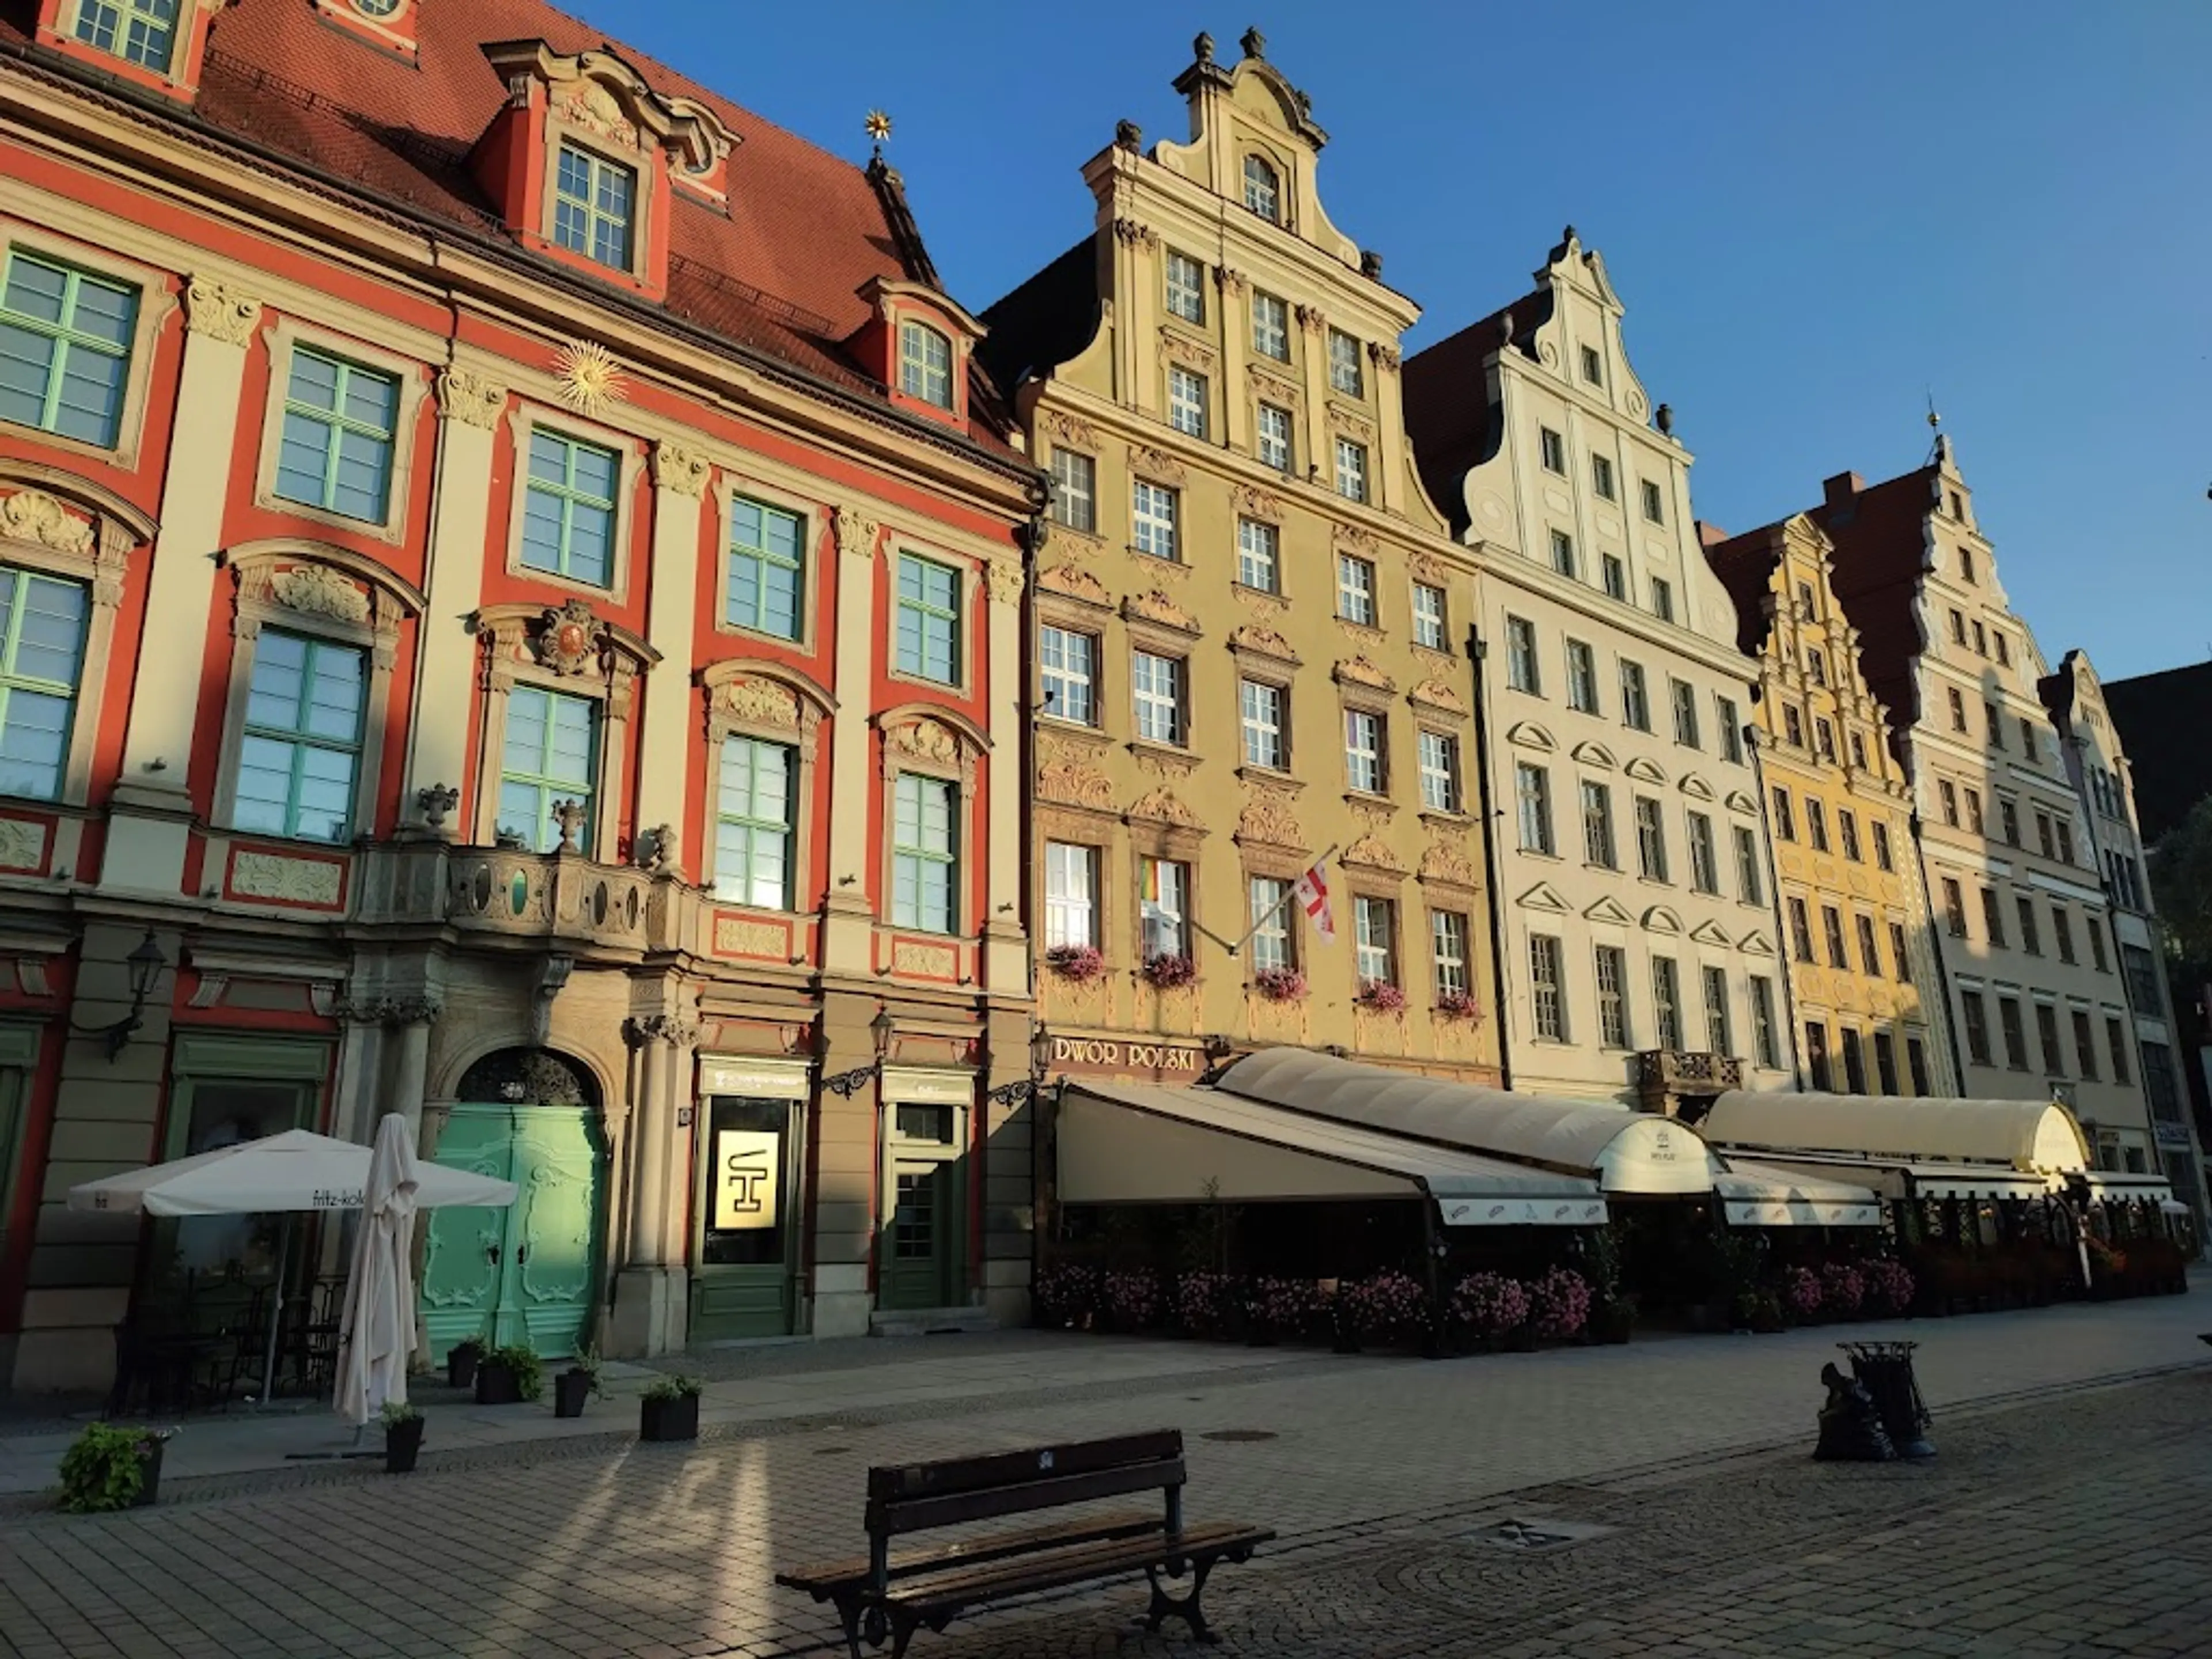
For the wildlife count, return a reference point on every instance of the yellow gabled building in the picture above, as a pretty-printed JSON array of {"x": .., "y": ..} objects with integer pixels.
[{"x": 1854, "y": 909}]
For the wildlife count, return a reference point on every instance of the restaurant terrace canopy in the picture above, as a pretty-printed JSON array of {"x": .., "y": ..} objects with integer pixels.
[
  {"x": 2028, "y": 1136},
  {"x": 1132, "y": 1143}
]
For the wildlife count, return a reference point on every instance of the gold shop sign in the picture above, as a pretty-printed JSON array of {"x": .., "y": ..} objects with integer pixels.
[
  {"x": 1166, "y": 1061},
  {"x": 744, "y": 1180}
]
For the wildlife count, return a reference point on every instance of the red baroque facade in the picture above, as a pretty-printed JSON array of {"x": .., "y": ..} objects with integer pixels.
[{"x": 511, "y": 588}]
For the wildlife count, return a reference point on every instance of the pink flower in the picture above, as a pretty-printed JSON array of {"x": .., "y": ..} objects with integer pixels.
[
  {"x": 1379, "y": 996},
  {"x": 1559, "y": 1302},
  {"x": 1459, "y": 1005},
  {"x": 1490, "y": 1305},
  {"x": 1079, "y": 963},
  {"x": 1280, "y": 984},
  {"x": 1171, "y": 970}
]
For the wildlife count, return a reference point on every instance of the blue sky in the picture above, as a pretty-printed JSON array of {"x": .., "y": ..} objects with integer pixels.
[{"x": 1815, "y": 214}]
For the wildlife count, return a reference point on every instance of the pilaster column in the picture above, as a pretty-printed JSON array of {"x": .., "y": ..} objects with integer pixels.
[
  {"x": 470, "y": 409},
  {"x": 652, "y": 1290},
  {"x": 653, "y": 1128},
  {"x": 151, "y": 819},
  {"x": 411, "y": 1071},
  {"x": 1232, "y": 299},
  {"x": 679, "y": 481},
  {"x": 1386, "y": 488},
  {"x": 1005, "y": 945},
  {"x": 849, "y": 922}
]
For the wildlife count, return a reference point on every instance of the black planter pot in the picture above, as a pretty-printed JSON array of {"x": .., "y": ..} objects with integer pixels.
[
  {"x": 1520, "y": 1340},
  {"x": 151, "y": 1488},
  {"x": 461, "y": 1364},
  {"x": 570, "y": 1390},
  {"x": 497, "y": 1386},
  {"x": 669, "y": 1419},
  {"x": 403, "y": 1444},
  {"x": 1613, "y": 1324}
]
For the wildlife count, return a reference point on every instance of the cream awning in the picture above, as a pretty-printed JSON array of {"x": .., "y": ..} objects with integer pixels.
[
  {"x": 1901, "y": 1178},
  {"x": 1767, "y": 1195},
  {"x": 1133, "y": 1143},
  {"x": 1623, "y": 1150},
  {"x": 2022, "y": 1134},
  {"x": 2104, "y": 1184}
]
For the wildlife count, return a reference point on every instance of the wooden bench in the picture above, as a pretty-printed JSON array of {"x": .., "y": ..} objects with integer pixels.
[{"x": 885, "y": 1595}]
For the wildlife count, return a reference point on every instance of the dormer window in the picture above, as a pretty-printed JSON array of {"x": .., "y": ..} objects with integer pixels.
[
  {"x": 141, "y": 32},
  {"x": 155, "y": 44},
  {"x": 925, "y": 364},
  {"x": 1263, "y": 190},
  {"x": 595, "y": 208}
]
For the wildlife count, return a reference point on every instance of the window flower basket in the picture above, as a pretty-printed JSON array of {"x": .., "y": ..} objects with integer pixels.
[
  {"x": 1889, "y": 1284},
  {"x": 1079, "y": 964},
  {"x": 1280, "y": 984},
  {"x": 1801, "y": 1294},
  {"x": 1458, "y": 1005},
  {"x": 110, "y": 1467},
  {"x": 1132, "y": 1299},
  {"x": 1842, "y": 1289},
  {"x": 403, "y": 1436},
  {"x": 1379, "y": 996},
  {"x": 1559, "y": 1303},
  {"x": 1170, "y": 970},
  {"x": 670, "y": 1409},
  {"x": 1066, "y": 1296},
  {"x": 1489, "y": 1304}
]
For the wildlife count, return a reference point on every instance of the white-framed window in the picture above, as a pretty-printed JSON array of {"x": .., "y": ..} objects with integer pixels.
[
  {"x": 1068, "y": 660},
  {"x": 1655, "y": 504},
  {"x": 1762, "y": 1023},
  {"x": 1801, "y": 930},
  {"x": 42, "y": 639},
  {"x": 1581, "y": 679},
  {"x": 1719, "y": 1039},
  {"x": 1650, "y": 840},
  {"x": 1185, "y": 401},
  {"x": 1071, "y": 895},
  {"x": 1074, "y": 490},
  {"x": 1375, "y": 948},
  {"x": 1869, "y": 947},
  {"x": 1611, "y": 963},
  {"x": 141, "y": 32},
  {"x": 568, "y": 513},
  {"x": 1597, "y": 826},
  {"x": 1593, "y": 366},
  {"x": 1531, "y": 794},
  {"x": 1602, "y": 478},
  {"x": 928, "y": 620},
  {"x": 1263, "y": 189},
  {"x": 1666, "y": 1003},
  {"x": 1439, "y": 772},
  {"x": 1635, "y": 700},
  {"x": 1272, "y": 945},
  {"x": 1563, "y": 553},
  {"x": 755, "y": 823},
  {"x": 1553, "y": 450},
  {"x": 1156, "y": 687},
  {"x": 1164, "y": 907},
  {"x": 550, "y": 756},
  {"x": 1522, "y": 671},
  {"x": 925, "y": 364},
  {"x": 1663, "y": 599},
  {"x": 1258, "y": 563},
  {"x": 65, "y": 339},
  {"x": 336, "y": 451},
  {"x": 1365, "y": 766},
  {"x": 1264, "y": 740},
  {"x": 1447, "y": 937},
  {"x": 766, "y": 566},
  {"x": 1271, "y": 326},
  {"x": 594, "y": 206},
  {"x": 1885, "y": 860},
  {"x": 1749, "y": 883},
  {"x": 1616, "y": 576},
  {"x": 1153, "y": 513},
  {"x": 924, "y": 854},
  {"x": 1429, "y": 625},
  {"x": 1186, "y": 288},
  {"x": 1685, "y": 714},
  {"x": 1355, "y": 589},
  {"x": 1350, "y": 469},
  {"x": 1704, "y": 856},
  {"x": 1731, "y": 734},
  {"x": 1547, "y": 993},
  {"x": 300, "y": 754},
  {"x": 1275, "y": 437},
  {"x": 1346, "y": 372},
  {"x": 1847, "y": 825},
  {"x": 1816, "y": 823}
]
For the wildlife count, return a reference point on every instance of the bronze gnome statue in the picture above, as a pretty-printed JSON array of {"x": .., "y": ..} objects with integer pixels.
[{"x": 1851, "y": 1424}]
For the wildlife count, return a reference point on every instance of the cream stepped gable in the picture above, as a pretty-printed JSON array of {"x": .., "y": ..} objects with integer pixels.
[
  {"x": 2089, "y": 742},
  {"x": 1633, "y": 878},
  {"x": 2039, "y": 1006},
  {"x": 1249, "y": 621}
]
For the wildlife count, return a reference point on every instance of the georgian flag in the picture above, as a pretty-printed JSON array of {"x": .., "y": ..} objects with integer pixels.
[{"x": 1312, "y": 894}]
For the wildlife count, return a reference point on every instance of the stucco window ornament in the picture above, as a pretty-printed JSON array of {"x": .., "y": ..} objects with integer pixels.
[
  {"x": 568, "y": 640},
  {"x": 1155, "y": 607},
  {"x": 1386, "y": 356},
  {"x": 33, "y": 516},
  {"x": 587, "y": 378},
  {"x": 857, "y": 533},
  {"x": 1155, "y": 464},
  {"x": 1447, "y": 862},
  {"x": 1263, "y": 642},
  {"x": 1269, "y": 821},
  {"x": 467, "y": 396},
  {"x": 221, "y": 311},
  {"x": 1357, "y": 671},
  {"x": 1164, "y": 806},
  {"x": 316, "y": 590},
  {"x": 679, "y": 469},
  {"x": 590, "y": 108},
  {"x": 1004, "y": 583},
  {"x": 1369, "y": 854},
  {"x": 1076, "y": 584}
]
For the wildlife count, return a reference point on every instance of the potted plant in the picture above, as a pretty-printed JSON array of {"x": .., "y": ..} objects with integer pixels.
[
  {"x": 1559, "y": 1304},
  {"x": 579, "y": 1382},
  {"x": 1889, "y": 1284},
  {"x": 1766, "y": 1314},
  {"x": 1066, "y": 1296},
  {"x": 1614, "y": 1320},
  {"x": 1489, "y": 1305},
  {"x": 461, "y": 1362},
  {"x": 510, "y": 1375},
  {"x": 1202, "y": 1301},
  {"x": 1801, "y": 1294},
  {"x": 1389, "y": 1305},
  {"x": 670, "y": 1408},
  {"x": 1842, "y": 1289},
  {"x": 109, "y": 1467},
  {"x": 403, "y": 1436},
  {"x": 1280, "y": 1308},
  {"x": 1132, "y": 1299}
]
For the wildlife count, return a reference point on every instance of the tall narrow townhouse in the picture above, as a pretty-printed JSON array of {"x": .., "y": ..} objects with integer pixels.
[
  {"x": 515, "y": 604},
  {"x": 2025, "y": 930},
  {"x": 1633, "y": 879},
  {"x": 1249, "y": 624},
  {"x": 1862, "y": 969},
  {"x": 2090, "y": 744}
]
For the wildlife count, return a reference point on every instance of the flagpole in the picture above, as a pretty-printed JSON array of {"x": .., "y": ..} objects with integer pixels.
[{"x": 1281, "y": 905}]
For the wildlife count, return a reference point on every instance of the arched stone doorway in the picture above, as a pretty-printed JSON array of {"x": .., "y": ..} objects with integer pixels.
[{"x": 530, "y": 1273}]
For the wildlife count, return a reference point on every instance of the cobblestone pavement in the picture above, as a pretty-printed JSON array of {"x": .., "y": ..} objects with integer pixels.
[{"x": 2066, "y": 1515}]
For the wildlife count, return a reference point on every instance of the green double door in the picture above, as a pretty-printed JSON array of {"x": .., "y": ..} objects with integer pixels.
[{"x": 530, "y": 1273}]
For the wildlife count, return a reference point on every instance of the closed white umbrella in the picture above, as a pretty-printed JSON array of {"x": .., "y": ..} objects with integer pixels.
[{"x": 376, "y": 1333}]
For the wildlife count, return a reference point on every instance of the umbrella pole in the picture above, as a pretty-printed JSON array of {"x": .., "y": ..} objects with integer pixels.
[{"x": 276, "y": 1316}]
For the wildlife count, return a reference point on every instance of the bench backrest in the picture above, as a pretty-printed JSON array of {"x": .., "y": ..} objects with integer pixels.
[{"x": 915, "y": 1496}]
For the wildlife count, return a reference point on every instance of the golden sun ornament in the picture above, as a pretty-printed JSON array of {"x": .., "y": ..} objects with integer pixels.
[
  {"x": 880, "y": 125},
  {"x": 587, "y": 376}
]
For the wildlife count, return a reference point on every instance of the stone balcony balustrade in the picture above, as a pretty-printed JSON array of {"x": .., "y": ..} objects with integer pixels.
[{"x": 567, "y": 899}]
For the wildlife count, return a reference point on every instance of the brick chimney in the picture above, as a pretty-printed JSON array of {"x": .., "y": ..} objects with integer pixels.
[{"x": 1842, "y": 490}]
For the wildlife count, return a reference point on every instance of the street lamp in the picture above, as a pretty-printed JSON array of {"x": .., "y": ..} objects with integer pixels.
[
  {"x": 1010, "y": 1094},
  {"x": 845, "y": 1085},
  {"x": 145, "y": 964}
]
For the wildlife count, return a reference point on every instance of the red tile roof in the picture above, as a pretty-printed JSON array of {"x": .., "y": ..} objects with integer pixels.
[
  {"x": 779, "y": 273},
  {"x": 1880, "y": 536}
]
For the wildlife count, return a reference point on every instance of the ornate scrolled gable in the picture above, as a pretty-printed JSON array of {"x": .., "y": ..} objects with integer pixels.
[
  {"x": 922, "y": 736},
  {"x": 291, "y": 581},
  {"x": 748, "y": 697}
]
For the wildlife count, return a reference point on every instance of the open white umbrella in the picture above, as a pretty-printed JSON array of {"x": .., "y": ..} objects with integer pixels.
[
  {"x": 281, "y": 1174},
  {"x": 376, "y": 1333}
]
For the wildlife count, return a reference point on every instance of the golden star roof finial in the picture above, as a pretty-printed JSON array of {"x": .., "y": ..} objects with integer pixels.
[{"x": 880, "y": 128}]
